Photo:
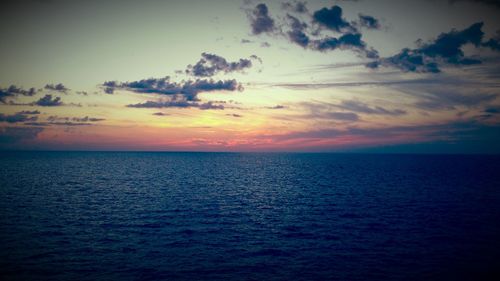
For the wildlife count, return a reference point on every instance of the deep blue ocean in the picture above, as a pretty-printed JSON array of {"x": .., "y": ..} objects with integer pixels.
[{"x": 244, "y": 216}]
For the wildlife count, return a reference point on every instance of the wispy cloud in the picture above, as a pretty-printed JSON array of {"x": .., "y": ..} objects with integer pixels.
[{"x": 360, "y": 107}]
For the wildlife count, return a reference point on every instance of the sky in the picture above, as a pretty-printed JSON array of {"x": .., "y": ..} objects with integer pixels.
[{"x": 259, "y": 76}]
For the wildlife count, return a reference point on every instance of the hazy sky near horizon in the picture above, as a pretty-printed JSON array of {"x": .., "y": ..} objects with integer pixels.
[{"x": 392, "y": 76}]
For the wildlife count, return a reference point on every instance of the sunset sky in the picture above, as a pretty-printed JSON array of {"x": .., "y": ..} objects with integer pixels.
[{"x": 370, "y": 76}]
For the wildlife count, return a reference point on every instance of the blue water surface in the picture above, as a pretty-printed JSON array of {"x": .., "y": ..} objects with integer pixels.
[{"x": 243, "y": 216}]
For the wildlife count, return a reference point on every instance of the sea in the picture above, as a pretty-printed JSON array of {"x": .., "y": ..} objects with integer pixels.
[{"x": 248, "y": 216}]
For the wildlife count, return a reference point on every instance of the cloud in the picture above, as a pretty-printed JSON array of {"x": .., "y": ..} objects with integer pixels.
[
  {"x": 188, "y": 90},
  {"x": 13, "y": 91},
  {"x": 493, "y": 43},
  {"x": 360, "y": 107},
  {"x": 486, "y": 2},
  {"x": 175, "y": 103},
  {"x": 160, "y": 114},
  {"x": 265, "y": 45},
  {"x": 278, "y": 106},
  {"x": 321, "y": 110},
  {"x": 448, "y": 45},
  {"x": 235, "y": 115},
  {"x": 87, "y": 119},
  {"x": 456, "y": 137},
  {"x": 345, "y": 116},
  {"x": 13, "y": 135},
  {"x": 57, "y": 87},
  {"x": 296, "y": 7},
  {"x": 58, "y": 123},
  {"x": 210, "y": 105},
  {"x": 58, "y": 120},
  {"x": 211, "y": 64},
  {"x": 332, "y": 19},
  {"x": 163, "y": 104},
  {"x": 347, "y": 41},
  {"x": 16, "y": 118},
  {"x": 445, "y": 49},
  {"x": 296, "y": 34},
  {"x": 368, "y": 22},
  {"x": 301, "y": 33},
  {"x": 305, "y": 86},
  {"x": 260, "y": 20},
  {"x": 29, "y": 112},
  {"x": 492, "y": 109},
  {"x": 48, "y": 100},
  {"x": 437, "y": 99},
  {"x": 109, "y": 87}
]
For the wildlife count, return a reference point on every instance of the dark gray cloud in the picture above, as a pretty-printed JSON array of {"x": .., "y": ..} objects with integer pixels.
[
  {"x": 265, "y": 45},
  {"x": 186, "y": 89},
  {"x": 210, "y": 105},
  {"x": 368, "y": 22},
  {"x": 296, "y": 7},
  {"x": 348, "y": 41},
  {"x": 495, "y": 3},
  {"x": 48, "y": 100},
  {"x": 408, "y": 60},
  {"x": 278, "y": 106},
  {"x": 56, "y": 87},
  {"x": 260, "y": 20},
  {"x": 493, "y": 43},
  {"x": 109, "y": 87},
  {"x": 29, "y": 112},
  {"x": 449, "y": 45},
  {"x": 211, "y": 64},
  {"x": 307, "y": 34},
  {"x": 16, "y": 118},
  {"x": 160, "y": 114},
  {"x": 87, "y": 119},
  {"x": 13, "y": 91},
  {"x": 10, "y": 136},
  {"x": 297, "y": 34},
  {"x": 58, "y": 123},
  {"x": 178, "y": 104},
  {"x": 164, "y": 104},
  {"x": 492, "y": 109},
  {"x": 332, "y": 19},
  {"x": 360, "y": 107},
  {"x": 55, "y": 118},
  {"x": 446, "y": 49}
]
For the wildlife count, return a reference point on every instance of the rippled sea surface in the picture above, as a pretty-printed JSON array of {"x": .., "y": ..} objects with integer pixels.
[{"x": 230, "y": 216}]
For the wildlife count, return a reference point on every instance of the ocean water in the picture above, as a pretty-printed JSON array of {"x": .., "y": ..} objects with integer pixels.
[{"x": 231, "y": 216}]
